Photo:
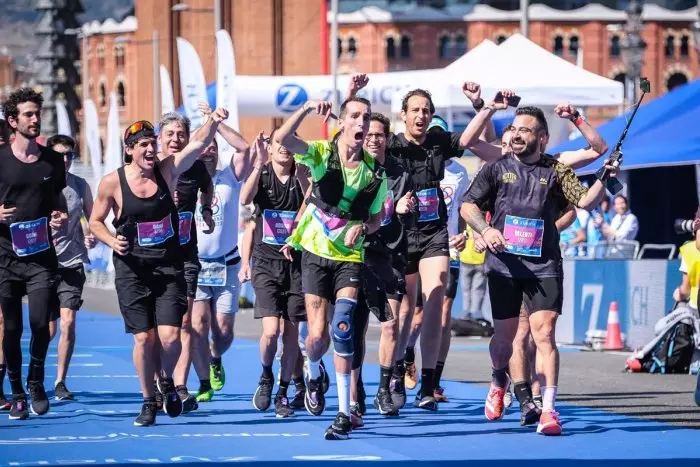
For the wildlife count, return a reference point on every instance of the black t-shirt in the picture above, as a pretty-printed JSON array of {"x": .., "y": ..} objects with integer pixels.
[
  {"x": 525, "y": 200},
  {"x": 390, "y": 236},
  {"x": 34, "y": 189},
  {"x": 277, "y": 204},
  {"x": 195, "y": 179},
  {"x": 426, "y": 165}
]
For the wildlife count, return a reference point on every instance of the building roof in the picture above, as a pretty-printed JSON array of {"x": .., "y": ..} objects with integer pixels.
[{"x": 110, "y": 26}]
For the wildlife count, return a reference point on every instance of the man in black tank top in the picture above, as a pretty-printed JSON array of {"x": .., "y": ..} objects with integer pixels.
[
  {"x": 275, "y": 190},
  {"x": 147, "y": 256}
]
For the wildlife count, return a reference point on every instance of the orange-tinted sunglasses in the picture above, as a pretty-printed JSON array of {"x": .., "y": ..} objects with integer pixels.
[{"x": 138, "y": 127}]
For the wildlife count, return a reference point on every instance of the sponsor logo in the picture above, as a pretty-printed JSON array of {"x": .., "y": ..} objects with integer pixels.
[
  {"x": 509, "y": 177},
  {"x": 543, "y": 181},
  {"x": 290, "y": 97}
]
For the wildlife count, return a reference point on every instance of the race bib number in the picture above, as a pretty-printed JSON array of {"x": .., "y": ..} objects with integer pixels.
[
  {"x": 523, "y": 236},
  {"x": 333, "y": 225},
  {"x": 213, "y": 273},
  {"x": 185, "y": 227},
  {"x": 277, "y": 226},
  {"x": 154, "y": 233},
  {"x": 388, "y": 208},
  {"x": 428, "y": 204},
  {"x": 30, "y": 237}
]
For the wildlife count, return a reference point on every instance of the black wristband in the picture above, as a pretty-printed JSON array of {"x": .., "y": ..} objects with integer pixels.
[
  {"x": 478, "y": 105},
  {"x": 575, "y": 116}
]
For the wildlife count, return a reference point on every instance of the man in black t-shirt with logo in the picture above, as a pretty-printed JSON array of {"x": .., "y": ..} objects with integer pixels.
[
  {"x": 526, "y": 191},
  {"x": 32, "y": 178}
]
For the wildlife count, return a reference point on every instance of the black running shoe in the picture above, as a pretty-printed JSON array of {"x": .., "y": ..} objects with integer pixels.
[
  {"x": 315, "y": 401},
  {"x": 356, "y": 417},
  {"x": 538, "y": 402},
  {"x": 19, "y": 409},
  {"x": 529, "y": 413},
  {"x": 361, "y": 398},
  {"x": 382, "y": 402},
  {"x": 297, "y": 401},
  {"x": 425, "y": 403},
  {"x": 4, "y": 403},
  {"x": 340, "y": 429},
  {"x": 158, "y": 395},
  {"x": 282, "y": 408},
  {"x": 147, "y": 417},
  {"x": 172, "y": 404},
  {"x": 263, "y": 395},
  {"x": 398, "y": 392},
  {"x": 189, "y": 402},
  {"x": 40, "y": 402},
  {"x": 326, "y": 380},
  {"x": 61, "y": 392}
]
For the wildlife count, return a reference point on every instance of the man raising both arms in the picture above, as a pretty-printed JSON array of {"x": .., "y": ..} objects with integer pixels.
[
  {"x": 345, "y": 205},
  {"x": 526, "y": 191},
  {"x": 148, "y": 261}
]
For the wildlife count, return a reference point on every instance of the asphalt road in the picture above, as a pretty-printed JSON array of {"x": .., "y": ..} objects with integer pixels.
[{"x": 590, "y": 379}]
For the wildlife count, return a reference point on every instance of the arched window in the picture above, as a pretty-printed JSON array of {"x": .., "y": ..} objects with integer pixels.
[
  {"x": 460, "y": 45},
  {"x": 675, "y": 80},
  {"x": 405, "y": 47},
  {"x": 670, "y": 46},
  {"x": 103, "y": 95},
  {"x": 685, "y": 46},
  {"x": 444, "y": 46},
  {"x": 390, "y": 48},
  {"x": 622, "y": 78},
  {"x": 352, "y": 47},
  {"x": 615, "y": 46},
  {"x": 101, "y": 55},
  {"x": 500, "y": 39},
  {"x": 573, "y": 46},
  {"x": 121, "y": 94},
  {"x": 558, "y": 46},
  {"x": 119, "y": 55}
]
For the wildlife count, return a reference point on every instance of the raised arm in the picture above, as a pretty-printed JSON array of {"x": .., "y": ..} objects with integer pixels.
[
  {"x": 596, "y": 144},
  {"x": 285, "y": 135},
  {"x": 259, "y": 159},
  {"x": 184, "y": 159},
  {"x": 470, "y": 136},
  {"x": 576, "y": 193},
  {"x": 104, "y": 203},
  {"x": 357, "y": 82}
]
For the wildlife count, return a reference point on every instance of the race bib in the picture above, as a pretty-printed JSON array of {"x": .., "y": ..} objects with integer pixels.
[
  {"x": 523, "y": 236},
  {"x": 428, "y": 204},
  {"x": 213, "y": 272},
  {"x": 277, "y": 226},
  {"x": 333, "y": 225},
  {"x": 30, "y": 237},
  {"x": 154, "y": 233},
  {"x": 388, "y": 208},
  {"x": 185, "y": 227},
  {"x": 454, "y": 258}
]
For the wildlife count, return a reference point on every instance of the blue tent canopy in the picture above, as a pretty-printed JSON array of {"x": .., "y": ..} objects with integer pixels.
[{"x": 661, "y": 133}]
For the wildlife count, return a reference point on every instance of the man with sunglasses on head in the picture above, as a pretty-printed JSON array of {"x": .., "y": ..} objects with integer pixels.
[
  {"x": 71, "y": 242},
  {"x": 148, "y": 260}
]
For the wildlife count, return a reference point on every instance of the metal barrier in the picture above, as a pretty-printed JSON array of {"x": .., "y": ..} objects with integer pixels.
[
  {"x": 657, "y": 247},
  {"x": 624, "y": 249}
]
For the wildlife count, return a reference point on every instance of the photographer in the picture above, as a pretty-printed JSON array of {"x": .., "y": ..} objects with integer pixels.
[{"x": 690, "y": 266}]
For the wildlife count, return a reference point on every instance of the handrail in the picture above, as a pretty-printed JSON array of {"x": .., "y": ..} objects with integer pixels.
[{"x": 657, "y": 246}]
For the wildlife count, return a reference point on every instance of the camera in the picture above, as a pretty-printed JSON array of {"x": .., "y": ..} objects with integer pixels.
[{"x": 684, "y": 226}]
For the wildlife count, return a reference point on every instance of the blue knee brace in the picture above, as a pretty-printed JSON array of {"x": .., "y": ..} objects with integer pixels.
[{"x": 341, "y": 327}]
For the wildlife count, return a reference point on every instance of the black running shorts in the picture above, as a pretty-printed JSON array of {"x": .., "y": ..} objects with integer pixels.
[
  {"x": 20, "y": 277},
  {"x": 70, "y": 287},
  {"x": 324, "y": 277},
  {"x": 536, "y": 294},
  {"x": 277, "y": 285},
  {"x": 191, "y": 269},
  {"x": 422, "y": 245}
]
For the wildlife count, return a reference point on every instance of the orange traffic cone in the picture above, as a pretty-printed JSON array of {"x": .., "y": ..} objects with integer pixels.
[{"x": 613, "y": 339}]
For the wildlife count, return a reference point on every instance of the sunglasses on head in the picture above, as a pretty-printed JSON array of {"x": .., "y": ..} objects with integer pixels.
[{"x": 135, "y": 128}]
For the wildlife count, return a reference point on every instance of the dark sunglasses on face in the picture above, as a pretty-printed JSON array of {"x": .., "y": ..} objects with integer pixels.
[{"x": 70, "y": 155}]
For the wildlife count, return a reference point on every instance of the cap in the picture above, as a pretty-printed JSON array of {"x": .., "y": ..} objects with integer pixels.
[{"x": 438, "y": 122}]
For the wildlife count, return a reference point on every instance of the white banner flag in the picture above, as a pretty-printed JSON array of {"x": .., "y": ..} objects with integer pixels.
[
  {"x": 113, "y": 156},
  {"x": 225, "y": 92},
  {"x": 92, "y": 140},
  {"x": 192, "y": 84},
  {"x": 62, "y": 119},
  {"x": 167, "y": 101}
]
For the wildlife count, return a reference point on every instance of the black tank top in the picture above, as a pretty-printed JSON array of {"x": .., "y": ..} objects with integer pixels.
[{"x": 150, "y": 224}]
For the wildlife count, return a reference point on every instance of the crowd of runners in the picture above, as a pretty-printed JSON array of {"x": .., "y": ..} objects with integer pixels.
[{"x": 367, "y": 223}]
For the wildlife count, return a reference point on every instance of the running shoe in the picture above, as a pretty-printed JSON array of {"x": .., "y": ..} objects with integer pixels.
[
  {"x": 355, "y": 416},
  {"x": 4, "y": 403},
  {"x": 217, "y": 376},
  {"x": 282, "y": 408},
  {"x": 172, "y": 404},
  {"x": 383, "y": 404},
  {"x": 529, "y": 413},
  {"x": 411, "y": 378},
  {"x": 158, "y": 395},
  {"x": 340, "y": 429},
  {"x": 315, "y": 401},
  {"x": 204, "y": 395},
  {"x": 494, "y": 409},
  {"x": 189, "y": 402},
  {"x": 147, "y": 417},
  {"x": 40, "y": 402},
  {"x": 508, "y": 399},
  {"x": 538, "y": 401},
  {"x": 297, "y": 401},
  {"x": 425, "y": 403},
  {"x": 549, "y": 423},
  {"x": 326, "y": 380},
  {"x": 263, "y": 395},
  {"x": 18, "y": 409},
  {"x": 361, "y": 397},
  {"x": 439, "y": 394},
  {"x": 61, "y": 392},
  {"x": 398, "y": 392}
]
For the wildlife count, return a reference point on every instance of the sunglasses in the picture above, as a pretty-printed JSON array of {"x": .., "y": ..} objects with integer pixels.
[
  {"x": 70, "y": 155},
  {"x": 135, "y": 128}
]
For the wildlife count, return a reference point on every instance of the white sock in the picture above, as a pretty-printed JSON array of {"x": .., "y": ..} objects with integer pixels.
[
  {"x": 315, "y": 368},
  {"x": 343, "y": 383},
  {"x": 548, "y": 397}
]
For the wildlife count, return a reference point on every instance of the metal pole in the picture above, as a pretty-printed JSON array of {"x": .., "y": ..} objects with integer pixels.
[
  {"x": 86, "y": 92},
  {"x": 217, "y": 15},
  {"x": 524, "y": 18},
  {"x": 156, "y": 79},
  {"x": 334, "y": 52}
]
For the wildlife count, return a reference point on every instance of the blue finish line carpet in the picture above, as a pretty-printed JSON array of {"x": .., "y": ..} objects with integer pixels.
[{"x": 97, "y": 427}]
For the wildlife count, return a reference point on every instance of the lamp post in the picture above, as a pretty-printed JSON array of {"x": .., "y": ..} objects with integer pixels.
[{"x": 633, "y": 48}]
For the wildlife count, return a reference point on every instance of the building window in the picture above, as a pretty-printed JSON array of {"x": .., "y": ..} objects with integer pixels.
[
  {"x": 675, "y": 80},
  {"x": 119, "y": 55},
  {"x": 573, "y": 46},
  {"x": 390, "y": 48},
  {"x": 460, "y": 45},
  {"x": 352, "y": 47},
  {"x": 615, "y": 46},
  {"x": 444, "y": 47},
  {"x": 103, "y": 95},
  {"x": 558, "y": 46},
  {"x": 101, "y": 55},
  {"x": 121, "y": 94},
  {"x": 622, "y": 78},
  {"x": 670, "y": 46},
  {"x": 500, "y": 39},
  {"x": 405, "y": 47},
  {"x": 685, "y": 46}
]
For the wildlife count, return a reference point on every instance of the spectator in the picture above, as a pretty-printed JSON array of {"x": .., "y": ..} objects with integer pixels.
[
  {"x": 594, "y": 236},
  {"x": 472, "y": 277},
  {"x": 624, "y": 227},
  {"x": 573, "y": 235},
  {"x": 4, "y": 132}
]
